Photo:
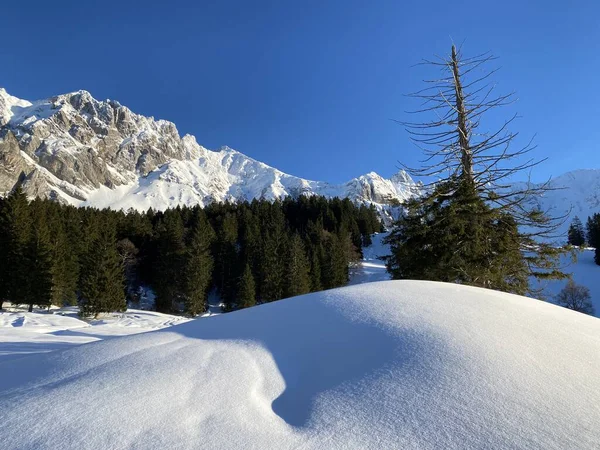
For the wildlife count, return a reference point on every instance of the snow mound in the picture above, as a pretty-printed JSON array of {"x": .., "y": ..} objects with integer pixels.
[{"x": 394, "y": 364}]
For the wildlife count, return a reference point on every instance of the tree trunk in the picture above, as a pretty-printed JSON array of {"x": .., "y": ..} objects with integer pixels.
[{"x": 463, "y": 132}]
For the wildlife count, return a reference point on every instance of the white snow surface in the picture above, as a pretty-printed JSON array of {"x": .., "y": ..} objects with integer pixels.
[
  {"x": 23, "y": 333},
  {"x": 372, "y": 267},
  {"x": 394, "y": 364}
]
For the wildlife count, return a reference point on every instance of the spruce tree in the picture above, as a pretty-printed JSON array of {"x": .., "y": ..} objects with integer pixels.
[
  {"x": 38, "y": 254},
  {"x": 198, "y": 266},
  {"x": 65, "y": 266},
  {"x": 15, "y": 226},
  {"x": 273, "y": 251},
  {"x": 576, "y": 234},
  {"x": 470, "y": 227},
  {"x": 4, "y": 254},
  {"x": 593, "y": 230},
  {"x": 226, "y": 259},
  {"x": 246, "y": 289},
  {"x": 315, "y": 268},
  {"x": 168, "y": 266},
  {"x": 102, "y": 278},
  {"x": 334, "y": 265},
  {"x": 297, "y": 268}
]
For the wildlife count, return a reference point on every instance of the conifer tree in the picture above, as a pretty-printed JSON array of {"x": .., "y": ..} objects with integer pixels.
[
  {"x": 471, "y": 226},
  {"x": 65, "y": 266},
  {"x": 102, "y": 283},
  {"x": 273, "y": 254},
  {"x": 226, "y": 259},
  {"x": 334, "y": 265},
  {"x": 167, "y": 280},
  {"x": 198, "y": 265},
  {"x": 297, "y": 267},
  {"x": 246, "y": 289},
  {"x": 4, "y": 254},
  {"x": 38, "y": 254},
  {"x": 315, "y": 270},
  {"x": 593, "y": 230},
  {"x": 576, "y": 234},
  {"x": 15, "y": 226}
]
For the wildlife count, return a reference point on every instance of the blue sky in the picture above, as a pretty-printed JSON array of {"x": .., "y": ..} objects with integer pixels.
[{"x": 310, "y": 87}]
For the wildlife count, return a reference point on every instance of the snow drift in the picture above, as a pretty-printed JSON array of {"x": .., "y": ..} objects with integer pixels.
[{"x": 394, "y": 364}]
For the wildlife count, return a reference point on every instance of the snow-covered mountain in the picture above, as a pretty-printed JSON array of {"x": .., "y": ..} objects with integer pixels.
[
  {"x": 82, "y": 151},
  {"x": 389, "y": 365}
]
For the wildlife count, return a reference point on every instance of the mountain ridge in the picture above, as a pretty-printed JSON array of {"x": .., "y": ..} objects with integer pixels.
[{"x": 85, "y": 152}]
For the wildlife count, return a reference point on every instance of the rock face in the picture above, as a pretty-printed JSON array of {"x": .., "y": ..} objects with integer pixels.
[{"x": 78, "y": 150}]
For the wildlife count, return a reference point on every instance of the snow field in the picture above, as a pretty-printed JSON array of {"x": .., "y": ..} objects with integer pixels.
[{"x": 394, "y": 364}]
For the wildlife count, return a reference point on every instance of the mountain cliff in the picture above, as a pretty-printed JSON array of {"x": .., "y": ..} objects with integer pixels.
[{"x": 78, "y": 150}]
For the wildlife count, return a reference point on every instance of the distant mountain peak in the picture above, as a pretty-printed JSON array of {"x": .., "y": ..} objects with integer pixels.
[{"x": 82, "y": 151}]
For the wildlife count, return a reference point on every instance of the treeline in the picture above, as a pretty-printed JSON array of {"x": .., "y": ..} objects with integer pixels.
[
  {"x": 248, "y": 252},
  {"x": 580, "y": 237}
]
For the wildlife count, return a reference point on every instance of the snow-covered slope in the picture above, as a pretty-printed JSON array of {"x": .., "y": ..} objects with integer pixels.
[
  {"x": 82, "y": 151},
  {"x": 380, "y": 365},
  {"x": 23, "y": 333}
]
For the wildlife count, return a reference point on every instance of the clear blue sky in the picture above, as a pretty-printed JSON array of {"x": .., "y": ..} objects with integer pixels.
[{"x": 310, "y": 86}]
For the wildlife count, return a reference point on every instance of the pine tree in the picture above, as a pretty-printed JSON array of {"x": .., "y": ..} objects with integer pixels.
[
  {"x": 576, "y": 234},
  {"x": 246, "y": 289},
  {"x": 297, "y": 267},
  {"x": 102, "y": 278},
  {"x": 198, "y": 266}
]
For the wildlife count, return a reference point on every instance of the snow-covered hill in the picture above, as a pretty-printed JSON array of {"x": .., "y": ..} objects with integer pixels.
[
  {"x": 23, "y": 333},
  {"x": 395, "y": 364},
  {"x": 82, "y": 151}
]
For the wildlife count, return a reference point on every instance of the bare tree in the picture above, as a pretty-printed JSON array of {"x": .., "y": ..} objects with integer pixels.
[{"x": 576, "y": 297}]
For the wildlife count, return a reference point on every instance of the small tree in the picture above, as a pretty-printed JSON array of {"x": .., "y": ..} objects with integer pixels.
[
  {"x": 576, "y": 234},
  {"x": 576, "y": 297}
]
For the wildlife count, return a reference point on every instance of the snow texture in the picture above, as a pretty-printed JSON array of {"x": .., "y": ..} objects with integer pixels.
[
  {"x": 25, "y": 333},
  {"x": 393, "y": 364}
]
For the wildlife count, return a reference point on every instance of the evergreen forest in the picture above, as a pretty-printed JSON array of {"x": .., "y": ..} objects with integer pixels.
[{"x": 247, "y": 253}]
